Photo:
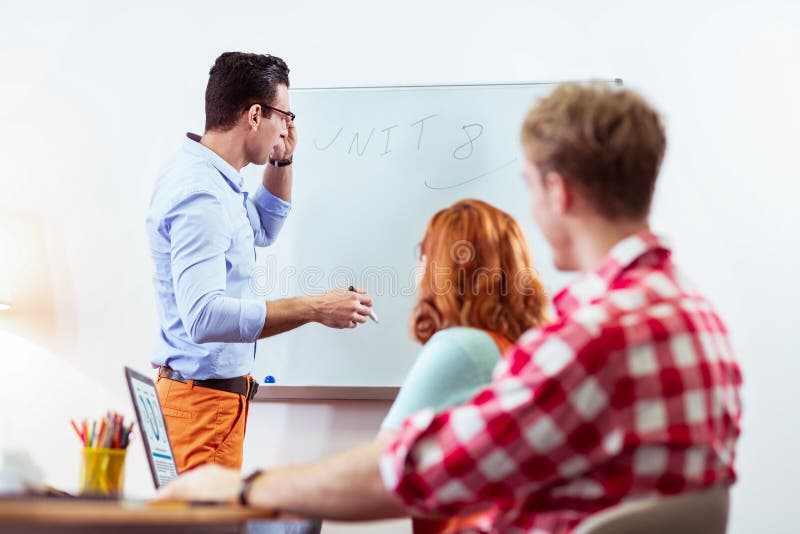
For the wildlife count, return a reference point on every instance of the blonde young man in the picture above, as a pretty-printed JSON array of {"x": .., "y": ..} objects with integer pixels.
[{"x": 632, "y": 390}]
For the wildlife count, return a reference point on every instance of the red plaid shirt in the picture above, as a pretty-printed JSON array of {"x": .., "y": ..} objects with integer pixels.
[{"x": 633, "y": 390}]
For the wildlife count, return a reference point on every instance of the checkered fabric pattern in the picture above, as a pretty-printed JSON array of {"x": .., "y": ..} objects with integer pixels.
[{"x": 633, "y": 390}]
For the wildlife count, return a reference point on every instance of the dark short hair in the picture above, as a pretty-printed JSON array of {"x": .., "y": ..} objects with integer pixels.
[
  {"x": 608, "y": 142},
  {"x": 237, "y": 80}
]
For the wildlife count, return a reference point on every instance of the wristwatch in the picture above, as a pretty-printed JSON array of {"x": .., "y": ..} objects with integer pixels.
[
  {"x": 281, "y": 162},
  {"x": 244, "y": 486}
]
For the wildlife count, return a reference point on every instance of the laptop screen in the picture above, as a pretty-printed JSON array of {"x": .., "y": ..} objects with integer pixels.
[{"x": 152, "y": 427}]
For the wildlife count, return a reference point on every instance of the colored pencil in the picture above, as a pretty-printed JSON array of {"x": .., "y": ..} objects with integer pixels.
[{"x": 109, "y": 432}]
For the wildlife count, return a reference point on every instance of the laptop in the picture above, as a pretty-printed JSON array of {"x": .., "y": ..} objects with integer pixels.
[
  {"x": 152, "y": 427},
  {"x": 154, "y": 436}
]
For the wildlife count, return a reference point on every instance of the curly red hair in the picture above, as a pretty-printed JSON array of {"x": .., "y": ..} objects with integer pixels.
[{"x": 478, "y": 273}]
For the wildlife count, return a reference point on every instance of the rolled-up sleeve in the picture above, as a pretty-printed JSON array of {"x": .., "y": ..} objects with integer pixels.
[
  {"x": 200, "y": 232},
  {"x": 267, "y": 213}
]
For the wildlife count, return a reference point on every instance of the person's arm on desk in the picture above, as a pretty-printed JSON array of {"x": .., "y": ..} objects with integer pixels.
[{"x": 344, "y": 487}]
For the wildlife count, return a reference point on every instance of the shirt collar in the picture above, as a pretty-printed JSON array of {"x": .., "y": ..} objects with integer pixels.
[
  {"x": 192, "y": 144},
  {"x": 597, "y": 282}
]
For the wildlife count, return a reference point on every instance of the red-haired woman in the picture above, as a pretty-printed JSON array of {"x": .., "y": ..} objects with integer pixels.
[{"x": 477, "y": 294}]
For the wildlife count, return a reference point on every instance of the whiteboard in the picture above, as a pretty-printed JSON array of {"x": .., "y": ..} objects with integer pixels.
[{"x": 371, "y": 167}]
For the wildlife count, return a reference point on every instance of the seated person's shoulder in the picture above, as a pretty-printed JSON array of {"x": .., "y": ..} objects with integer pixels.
[
  {"x": 459, "y": 348},
  {"x": 627, "y": 306},
  {"x": 451, "y": 366},
  {"x": 473, "y": 342}
]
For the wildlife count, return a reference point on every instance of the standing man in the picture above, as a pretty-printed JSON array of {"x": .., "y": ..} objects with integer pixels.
[
  {"x": 633, "y": 390},
  {"x": 203, "y": 229}
]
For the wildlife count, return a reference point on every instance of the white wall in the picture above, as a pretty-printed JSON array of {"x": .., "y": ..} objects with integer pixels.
[{"x": 95, "y": 96}]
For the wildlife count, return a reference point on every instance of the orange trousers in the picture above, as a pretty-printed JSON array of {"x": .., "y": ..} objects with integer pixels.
[{"x": 205, "y": 426}]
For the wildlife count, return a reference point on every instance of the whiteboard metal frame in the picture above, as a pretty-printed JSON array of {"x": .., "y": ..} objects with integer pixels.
[
  {"x": 616, "y": 81},
  {"x": 273, "y": 393}
]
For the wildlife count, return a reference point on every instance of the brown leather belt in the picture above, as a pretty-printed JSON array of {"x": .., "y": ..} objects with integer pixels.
[{"x": 242, "y": 385}]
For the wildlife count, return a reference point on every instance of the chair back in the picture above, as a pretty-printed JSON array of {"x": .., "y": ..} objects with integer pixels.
[{"x": 696, "y": 512}]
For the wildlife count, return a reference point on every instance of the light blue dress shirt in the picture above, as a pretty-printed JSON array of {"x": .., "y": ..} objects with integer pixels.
[
  {"x": 203, "y": 230},
  {"x": 451, "y": 367}
]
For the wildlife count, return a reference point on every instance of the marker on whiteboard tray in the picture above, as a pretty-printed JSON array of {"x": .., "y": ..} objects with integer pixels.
[{"x": 372, "y": 314}]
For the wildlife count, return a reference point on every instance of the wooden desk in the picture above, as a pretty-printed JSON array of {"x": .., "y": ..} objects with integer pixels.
[{"x": 67, "y": 516}]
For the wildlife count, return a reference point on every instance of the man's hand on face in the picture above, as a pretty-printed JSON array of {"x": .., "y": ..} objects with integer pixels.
[
  {"x": 342, "y": 308},
  {"x": 287, "y": 143}
]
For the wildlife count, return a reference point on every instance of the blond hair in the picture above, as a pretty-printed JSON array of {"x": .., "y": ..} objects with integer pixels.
[{"x": 607, "y": 141}]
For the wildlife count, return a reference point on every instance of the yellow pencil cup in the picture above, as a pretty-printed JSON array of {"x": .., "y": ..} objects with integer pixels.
[{"x": 102, "y": 472}]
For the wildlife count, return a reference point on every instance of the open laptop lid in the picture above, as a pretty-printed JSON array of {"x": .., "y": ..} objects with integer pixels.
[{"x": 152, "y": 427}]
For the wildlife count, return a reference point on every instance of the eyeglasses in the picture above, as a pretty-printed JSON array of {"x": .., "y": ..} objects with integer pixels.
[{"x": 288, "y": 115}]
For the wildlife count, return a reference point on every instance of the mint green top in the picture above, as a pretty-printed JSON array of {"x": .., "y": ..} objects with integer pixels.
[{"x": 451, "y": 367}]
